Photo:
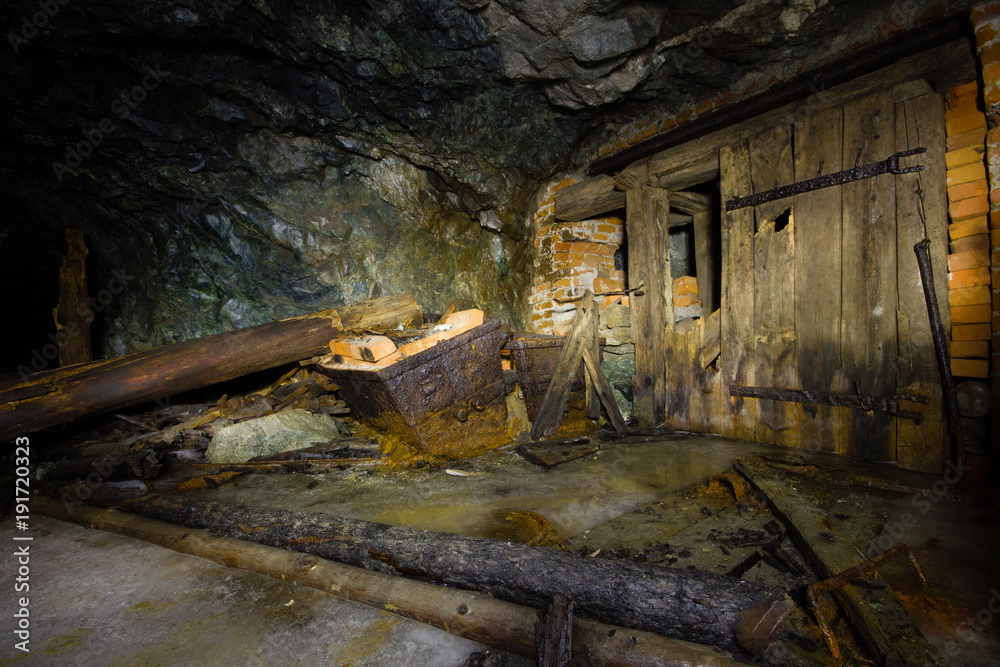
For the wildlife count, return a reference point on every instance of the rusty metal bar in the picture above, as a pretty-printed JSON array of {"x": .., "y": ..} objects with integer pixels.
[
  {"x": 890, "y": 165},
  {"x": 867, "y": 568},
  {"x": 857, "y": 401},
  {"x": 942, "y": 349}
]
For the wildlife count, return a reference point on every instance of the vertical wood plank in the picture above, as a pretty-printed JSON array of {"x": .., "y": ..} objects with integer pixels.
[
  {"x": 774, "y": 288},
  {"x": 868, "y": 278},
  {"x": 736, "y": 365},
  {"x": 920, "y": 122},
  {"x": 645, "y": 267},
  {"x": 818, "y": 220},
  {"x": 704, "y": 259}
]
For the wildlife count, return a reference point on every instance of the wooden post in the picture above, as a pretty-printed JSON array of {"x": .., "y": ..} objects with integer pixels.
[
  {"x": 647, "y": 249},
  {"x": 72, "y": 315}
]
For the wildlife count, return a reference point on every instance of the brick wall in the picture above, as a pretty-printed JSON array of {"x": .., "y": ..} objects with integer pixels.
[
  {"x": 986, "y": 23},
  {"x": 969, "y": 292},
  {"x": 571, "y": 257}
]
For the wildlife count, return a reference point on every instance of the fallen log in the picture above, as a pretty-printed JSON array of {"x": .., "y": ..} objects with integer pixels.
[
  {"x": 475, "y": 616},
  {"x": 684, "y": 604},
  {"x": 55, "y": 397}
]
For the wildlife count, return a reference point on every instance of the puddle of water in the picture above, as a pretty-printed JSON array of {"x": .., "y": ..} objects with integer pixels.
[{"x": 573, "y": 497}]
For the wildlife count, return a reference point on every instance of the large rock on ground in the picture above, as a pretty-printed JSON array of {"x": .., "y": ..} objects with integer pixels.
[{"x": 281, "y": 432}]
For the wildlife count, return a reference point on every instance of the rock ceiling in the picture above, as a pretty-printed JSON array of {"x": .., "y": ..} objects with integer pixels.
[{"x": 251, "y": 159}]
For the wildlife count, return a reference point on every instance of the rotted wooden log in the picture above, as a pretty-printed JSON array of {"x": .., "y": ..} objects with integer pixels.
[
  {"x": 55, "y": 397},
  {"x": 475, "y": 616},
  {"x": 685, "y": 604}
]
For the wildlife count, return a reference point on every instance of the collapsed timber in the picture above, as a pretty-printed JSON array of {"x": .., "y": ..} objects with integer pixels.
[{"x": 684, "y": 604}]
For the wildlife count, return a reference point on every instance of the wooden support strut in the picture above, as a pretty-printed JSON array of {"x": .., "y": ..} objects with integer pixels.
[
  {"x": 475, "y": 616},
  {"x": 581, "y": 345}
]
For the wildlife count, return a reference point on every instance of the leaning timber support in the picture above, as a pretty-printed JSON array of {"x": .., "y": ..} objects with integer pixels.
[
  {"x": 56, "y": 397},
  {"x": 684, "y": 604},
  {"x": 942, "y": 350},
  {"x": 475, "y": 616}
]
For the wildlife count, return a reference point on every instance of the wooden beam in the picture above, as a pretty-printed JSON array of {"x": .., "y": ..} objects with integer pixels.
[
  {"x": 684, "y": 604},
  {"x": 690, "y": 202},
  {"x": 73, "y": 314},
  {"x": 947, "y": 65},
  {"x": 736, "y": 361},
  {"x": 57, "y": 397},
  {"x": 648, "y": 248},
  {"x": 582, "y": 333},
  {"x": 475, "y": 616},
  {"x": 706, "y": 263},
  {"x": 588, "y": 199}
]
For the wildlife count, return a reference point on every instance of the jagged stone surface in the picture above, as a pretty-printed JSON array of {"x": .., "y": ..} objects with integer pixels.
[{"x": 244, "y": 161}]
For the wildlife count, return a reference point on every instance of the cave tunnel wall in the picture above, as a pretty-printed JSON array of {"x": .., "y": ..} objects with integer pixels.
[{"x": 235, "y": 162}]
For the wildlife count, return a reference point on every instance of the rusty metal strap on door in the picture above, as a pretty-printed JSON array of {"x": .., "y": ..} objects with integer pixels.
[
  {"x": 858, "y": 401},
  {"x": 890, "y": 165}
]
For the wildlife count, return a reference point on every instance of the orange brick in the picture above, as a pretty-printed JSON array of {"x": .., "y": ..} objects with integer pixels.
[
  {"x": 561, "y": 246},
  {"x": 971, "y": 314},
  {"x": 991, "y": 72},
  {"x": 971, "y": 227},
  {"x": 685, "y": 285},
  {"x": 964, "y": 156},
  {"x": 962, "y": 94},
  {"x": 970, "y": 349},
  {"x": 961, "y": 119},
  {"x": 995, "y": 238},
  {"x": 968, "y": 278},
  {"x": 970, "y": 208},
  {"x": 970, "y": 368},
  {"x": 970, "y": 296},
  {"x": 703, "y": 107},
  {"x": 970, "y": 243},
  {"x": 970, "y": 332},
  {"x": 966, "y": 174},
  {"x": 962, "y": 191},
  {"x": 971, "y": 138},
  {"x": 565, "y": 183},
  {"x": 686, "y": 299}
]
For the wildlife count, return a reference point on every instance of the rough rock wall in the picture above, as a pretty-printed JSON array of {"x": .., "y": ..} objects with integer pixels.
[{"x": 235, "y": 161}]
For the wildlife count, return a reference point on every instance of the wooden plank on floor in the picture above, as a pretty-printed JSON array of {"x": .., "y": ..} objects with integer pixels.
[
  {"x": 647, "y": 317},
  {"x": 818, "y": 151},
  {"x": 868, "y": 278},
  {"x": 774, "y": 286},
  {"x": 883, "y": 625},
  {"x": 736, "y": 361},
  {"x": 920, "y": 122}
]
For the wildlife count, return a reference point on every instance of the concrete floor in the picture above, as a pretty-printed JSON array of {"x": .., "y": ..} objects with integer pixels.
[{"x": 101, "y": 599}]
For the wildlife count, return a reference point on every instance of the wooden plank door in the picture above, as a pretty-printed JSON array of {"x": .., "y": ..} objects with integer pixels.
[
  {"x": 868, "y": 276},
  {"x": 819, "y": 144}
]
